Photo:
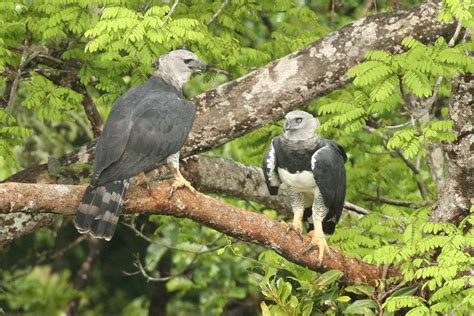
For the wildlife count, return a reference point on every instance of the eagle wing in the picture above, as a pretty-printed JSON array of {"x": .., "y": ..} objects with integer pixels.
[
  {"x": 158, "y": 128},
  {"x": 115, "y": 134},
  {"x": 327, "y": 164},
  {"x": 270, "y": 170}
]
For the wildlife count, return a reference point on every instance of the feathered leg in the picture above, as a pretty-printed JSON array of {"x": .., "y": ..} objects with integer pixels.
[
  {"x": 297, "y": 205},
  {"x": 318, "y": 239},
  {"x": 179, "y": 182}
]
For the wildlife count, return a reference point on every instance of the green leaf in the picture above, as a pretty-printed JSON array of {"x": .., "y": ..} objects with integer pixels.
[
  {"x": 265, "y": 310},
  {"x": 328, "y": 278},
  {"x": 405, "y": 291},
  {"x": 343, "y": 298},
  {"x": 364, "y": 307},
  {"x": 360, "y": 289}
]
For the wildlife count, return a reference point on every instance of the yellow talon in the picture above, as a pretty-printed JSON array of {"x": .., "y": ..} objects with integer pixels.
[
  {"x": 296, "y": 226},
  {"x": 181, "y": 182},
  {"x": 318, "y": 241}
]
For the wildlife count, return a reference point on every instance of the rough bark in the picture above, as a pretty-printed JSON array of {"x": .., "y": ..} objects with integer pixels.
[
  {"x": 455, "y": 197},
  {"x": 267, "y": 93},
  {"x": 230, "y": 220}
]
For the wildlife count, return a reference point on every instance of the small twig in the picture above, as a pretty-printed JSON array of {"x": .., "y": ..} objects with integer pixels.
[
  {"x": 16, "y": 81},
  {"x": 384, "y": 200},
  {"x": 6, "y": 94},
  {"x": 355, "y": 208},
  {"x": 397, "y": 126},
  {"x": 366, "y": 8},
  {"x": 146, "y": 6},
  {"x": 139, "y": 233},
  {"x": 145, "y": 274},
  {"x": 456, "y": 34},
  {"x": 173, "y": 8},
  {"x": 48, "y": 255},
  {"x": 218, "y": 12},
  {"x": 219, "y": 71}
]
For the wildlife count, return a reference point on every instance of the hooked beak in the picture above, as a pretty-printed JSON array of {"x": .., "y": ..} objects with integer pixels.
[
  {"x": 197, "y": 66},
  {"x": 287, "y": 126}
]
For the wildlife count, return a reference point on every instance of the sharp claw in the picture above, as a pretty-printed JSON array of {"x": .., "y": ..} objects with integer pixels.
[
  {"x": 172, "y": 191},
  {"x": 310, "y": 248},
  {"x": 295, "y": 228},
  {"x": 179, "y": 183},
  {"x": 148, "y": 189},
  {"x": 320, "y": 243}
]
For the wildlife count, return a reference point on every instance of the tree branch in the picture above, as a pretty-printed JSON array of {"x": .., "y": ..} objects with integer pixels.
[
  {"x": 230, "y": 220},
  {"x": 25, "y": 56},
  {"x": 384, "y": 200},
  {"x": 89, "y": 108}
]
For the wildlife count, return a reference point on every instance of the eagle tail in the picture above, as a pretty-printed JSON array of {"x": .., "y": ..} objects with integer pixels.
[{"x": 100, "y": 209}]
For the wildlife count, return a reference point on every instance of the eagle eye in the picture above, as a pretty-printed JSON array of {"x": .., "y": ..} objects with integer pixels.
[
  {"x": 187, "y": 61},
  {"x": 299, "y": 120}
]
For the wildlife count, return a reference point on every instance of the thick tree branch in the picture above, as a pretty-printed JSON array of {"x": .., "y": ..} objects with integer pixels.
[{"x": 244, "y": 225}]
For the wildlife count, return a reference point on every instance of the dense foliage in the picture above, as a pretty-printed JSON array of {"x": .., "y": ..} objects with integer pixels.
[{"x": 55, "y": 54}]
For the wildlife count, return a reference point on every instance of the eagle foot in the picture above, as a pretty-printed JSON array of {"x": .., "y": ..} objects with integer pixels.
[
  {"x": 142, "y": 181},
  {"x": 181, "y": 182},
  {"x": 318, "y": 242},
  {"x": 297, "y": 227}
]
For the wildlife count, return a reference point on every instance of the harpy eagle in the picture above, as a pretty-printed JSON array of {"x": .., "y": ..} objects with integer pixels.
[
  {"x": 312, "y": 170},
  {"x": 147, "y": 125}
]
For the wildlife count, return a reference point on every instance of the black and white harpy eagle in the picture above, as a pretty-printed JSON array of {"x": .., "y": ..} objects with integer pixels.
[
  {"x": 312, "y": 170},
  {"x": 147, "y": 125}
]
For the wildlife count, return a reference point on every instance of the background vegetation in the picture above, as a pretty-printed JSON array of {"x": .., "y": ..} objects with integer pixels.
[{"x": 98, "y": 49}]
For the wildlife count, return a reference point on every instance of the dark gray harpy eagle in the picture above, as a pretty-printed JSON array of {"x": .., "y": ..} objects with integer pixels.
[
  {"x": 147, "y": 125},
  {"x": 312, "y": 170}
]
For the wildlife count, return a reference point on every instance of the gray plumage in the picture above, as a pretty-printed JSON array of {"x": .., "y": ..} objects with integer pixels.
[
  {"x": 147, "y": 124},
  {"x": 311, "y": 168}
]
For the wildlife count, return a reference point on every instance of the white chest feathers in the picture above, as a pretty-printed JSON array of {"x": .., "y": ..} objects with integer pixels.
[{"x": 300, "y": 181}]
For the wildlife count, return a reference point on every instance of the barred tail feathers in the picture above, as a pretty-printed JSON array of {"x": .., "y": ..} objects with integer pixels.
[{"x": 100, "y": 208}]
